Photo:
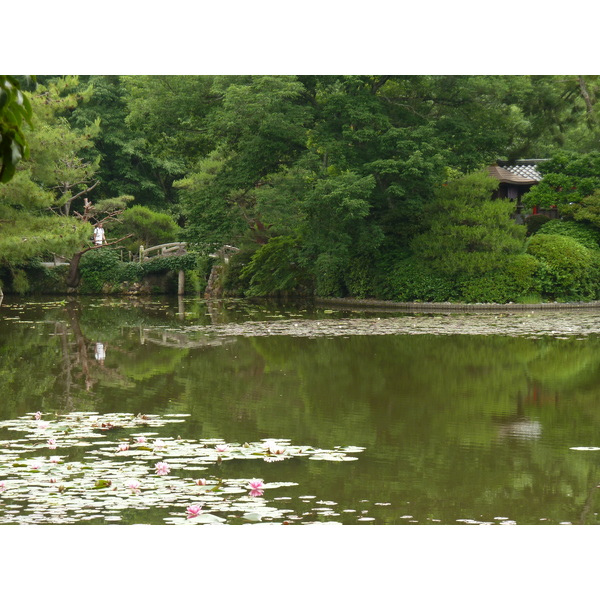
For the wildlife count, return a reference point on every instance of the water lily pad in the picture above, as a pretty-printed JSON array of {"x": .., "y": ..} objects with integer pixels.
[{"x": 89, "y": 480}]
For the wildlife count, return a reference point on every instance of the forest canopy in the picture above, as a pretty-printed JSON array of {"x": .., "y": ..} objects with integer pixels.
[{"x": 363, "y": 186}]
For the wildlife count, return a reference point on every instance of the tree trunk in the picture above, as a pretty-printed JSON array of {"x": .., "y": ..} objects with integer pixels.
[
  {"x": 74, "y": 275},
  {"x": 586, "y": 97}
]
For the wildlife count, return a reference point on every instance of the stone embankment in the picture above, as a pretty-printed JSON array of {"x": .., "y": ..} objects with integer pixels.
[{"x": 451, "y": 306}]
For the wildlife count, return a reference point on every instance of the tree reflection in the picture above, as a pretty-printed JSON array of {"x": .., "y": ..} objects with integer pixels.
[{"x": 454, "y": 424}]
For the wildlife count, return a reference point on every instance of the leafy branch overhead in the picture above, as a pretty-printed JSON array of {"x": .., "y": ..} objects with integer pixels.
[{"x": 15, "y": 109}]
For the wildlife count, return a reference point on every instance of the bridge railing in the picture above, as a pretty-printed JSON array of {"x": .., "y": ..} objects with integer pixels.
[{"x": 170, "y": 249}]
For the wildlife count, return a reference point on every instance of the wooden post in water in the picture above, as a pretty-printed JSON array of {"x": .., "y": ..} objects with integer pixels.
[{"x": 181, "y": 283}]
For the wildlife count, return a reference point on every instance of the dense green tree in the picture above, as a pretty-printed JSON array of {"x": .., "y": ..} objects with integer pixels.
[
  {"x": 260, "y": 127},
  {"x": 572, "y": 184},
  {"x": 343, "y": 167},
  {"x": 148, "y": 228},
  {"x": 125, "y": 165},
  {"x": 165, "y": 122},
  {"x": 558, "y": 111},
  {"x": 34, "y": 205},
  {"x": 469, "y": 233}
]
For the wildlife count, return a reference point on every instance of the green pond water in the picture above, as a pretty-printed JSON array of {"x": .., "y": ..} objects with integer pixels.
[{"x": 347, "y": 416}]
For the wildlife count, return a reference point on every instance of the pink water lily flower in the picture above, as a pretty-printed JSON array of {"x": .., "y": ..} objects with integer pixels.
[
  {"x": 162, "y": 468},
  {"x": 52, "y": 480},
  {"x": 35, "y": 466},
  {"x": 159, "y": 445},
  {"x": 54, "y": 459},
  {"x": 256, "y": 484},
  {"x": 52, "y": 444},
  {"x": 221, "y": 447},
  {"x": 273, "y": 448},
  {"x": 123, "y": 447},
  {"x": 201, "y": 482},
  {"x": 256, "y": 493},
  {"x": 141, "y": 440},
  {"x": 38, "y": 415},
  {"x": 2, "y": 486},
  {"x": 193, "y": 510},
  {"x": 133, "y": 485}
]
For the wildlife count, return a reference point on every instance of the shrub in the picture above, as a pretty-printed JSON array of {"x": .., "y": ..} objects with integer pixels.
[
  {"x": 99, "y": 267},
  {"x": 275, "y": 268},
  {"x": 534, "y": 222},
  {"x": 103, "y": 268},
  {"x": 521, "y": 270},
  {"x": 409, "y": 280},
  {"x": 194, "y": 285},
  {"x": 233, "y": 282},
  {"x": 361, "y": 277},
  {"x": 514, "y": 280},
  {"x": 568, "y": 270},
  {"x": 584, "y": 233},
  {"x": 20, "y": 282},
  {"x": 329, "y": 276}
]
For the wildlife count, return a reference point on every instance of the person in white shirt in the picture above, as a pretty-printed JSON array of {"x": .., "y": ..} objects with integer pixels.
[{"x": 99, "y": 237}]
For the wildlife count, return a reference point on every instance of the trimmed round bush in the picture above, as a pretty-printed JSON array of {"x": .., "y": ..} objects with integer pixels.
[
  {"x": 585, "y": 234},
  {"x": 568, "y": 270}
]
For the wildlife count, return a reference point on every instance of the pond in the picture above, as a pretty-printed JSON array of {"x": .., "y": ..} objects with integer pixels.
[{"x": 160, "y": 411}]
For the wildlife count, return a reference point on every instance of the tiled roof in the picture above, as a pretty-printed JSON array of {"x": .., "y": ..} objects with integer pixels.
[
  {"x": 524, "y": 168},
  {"x": 506, "y": 176}
]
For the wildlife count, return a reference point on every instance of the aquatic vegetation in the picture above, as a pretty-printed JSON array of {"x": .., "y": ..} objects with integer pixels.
[
  {"x": 159, "y": 445},
  {"x": 134, "y": 485},
  {"x": 273, "y": 448},
  {"x": 162, "y": 468},
  {"x": 193, "y": 510},
  {"x": 91, "y": 482}
]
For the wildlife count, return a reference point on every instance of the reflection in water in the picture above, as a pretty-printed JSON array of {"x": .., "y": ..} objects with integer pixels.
[
  {"x": 456, "y": 427},
  {"x": 100, "y": 353},
  {"x": 523, "y": 429}
]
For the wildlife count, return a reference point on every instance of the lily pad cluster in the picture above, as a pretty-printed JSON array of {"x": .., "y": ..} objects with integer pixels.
[{"x": 86, "y": 467}]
